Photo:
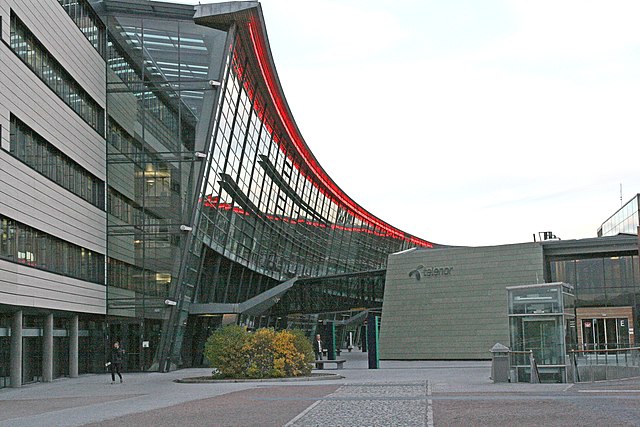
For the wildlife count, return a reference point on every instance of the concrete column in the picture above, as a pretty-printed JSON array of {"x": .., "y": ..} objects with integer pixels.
[
  {"x": 16, "y": 350},
  {"x": 73, "y": 346},
  {"x": 47, "y": 349}
]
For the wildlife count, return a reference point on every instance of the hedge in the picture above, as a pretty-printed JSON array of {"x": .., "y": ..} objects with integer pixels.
[{"x": 234, "y": 352}]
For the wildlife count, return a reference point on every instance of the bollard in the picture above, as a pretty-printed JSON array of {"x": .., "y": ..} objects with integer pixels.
[{"x": 500, "y": 363}]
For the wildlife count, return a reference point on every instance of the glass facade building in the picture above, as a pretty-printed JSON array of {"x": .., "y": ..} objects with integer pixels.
[
  {"x": 173, "y": 187},
  {"x": 626, "y": 220},
  {"x": 175, "y": 193},
  {"x": 605, "y": 274},
  {"x": 213, "y": 196}
]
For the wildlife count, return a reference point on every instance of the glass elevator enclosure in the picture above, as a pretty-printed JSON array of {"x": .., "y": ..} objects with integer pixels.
[{"x": 542, "y": 325}]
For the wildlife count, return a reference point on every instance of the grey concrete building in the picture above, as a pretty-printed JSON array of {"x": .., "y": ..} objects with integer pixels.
[
  {"x": 451, "y": 303},
  {"x": 52, "y": 174}
]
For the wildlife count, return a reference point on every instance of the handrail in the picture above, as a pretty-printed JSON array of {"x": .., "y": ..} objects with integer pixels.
[
  {"x": 534, "y": 377},
  {"x": 585, "y": 361},
  {"x": 535, "y": 373},
  {"x": 605, "y": 351}
]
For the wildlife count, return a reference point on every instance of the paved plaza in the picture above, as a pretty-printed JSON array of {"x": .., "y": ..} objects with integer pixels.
[{"x": 398, "y": 394}]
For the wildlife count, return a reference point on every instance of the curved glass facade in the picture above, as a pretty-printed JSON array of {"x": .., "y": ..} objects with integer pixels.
[
  {"x": 214, "y": 197},
  {"x": 266, "y": 202},
  {"x": 625, "y": 220}
]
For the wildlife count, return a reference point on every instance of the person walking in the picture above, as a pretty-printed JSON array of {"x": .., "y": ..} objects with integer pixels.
[{"x": 116, "y": 362}]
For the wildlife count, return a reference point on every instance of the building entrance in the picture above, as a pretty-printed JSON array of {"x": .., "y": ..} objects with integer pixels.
[
  {"x": 605, "y": 328},
  {"x": 605, "y": 334},
  {"x": 138, "y": 340}
]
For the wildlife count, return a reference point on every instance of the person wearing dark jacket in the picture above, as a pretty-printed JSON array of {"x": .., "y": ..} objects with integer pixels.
[{"x": 116, "y": 362}]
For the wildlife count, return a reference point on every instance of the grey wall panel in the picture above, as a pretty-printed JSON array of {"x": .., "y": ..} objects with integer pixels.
[
  {"x": 25, "y": 95},
  {"x": 4, "y": 124},
  {"x": 50, "y": 23},
  {"x": 34, "y": 200},
  {"x": 30, "y": 287},
  {"x": 459, "y": 315},
  {"x": 4, "y": 15}
]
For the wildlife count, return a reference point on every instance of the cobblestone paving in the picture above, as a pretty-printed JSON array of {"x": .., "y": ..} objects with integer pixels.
[{"x": 371, "y": 404}]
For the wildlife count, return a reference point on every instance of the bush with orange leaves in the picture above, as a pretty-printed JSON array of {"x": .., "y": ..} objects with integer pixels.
[{"x": 235, "y": 352}]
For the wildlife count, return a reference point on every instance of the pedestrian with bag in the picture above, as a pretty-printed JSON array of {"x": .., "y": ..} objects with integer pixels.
[{"x": 115, "y": 362}]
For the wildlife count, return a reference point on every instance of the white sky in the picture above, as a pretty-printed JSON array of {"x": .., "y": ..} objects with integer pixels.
[{"x": 466, "y": 122}]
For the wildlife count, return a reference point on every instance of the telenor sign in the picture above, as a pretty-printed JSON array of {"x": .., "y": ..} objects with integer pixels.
[{"x": 435, "y": 271}]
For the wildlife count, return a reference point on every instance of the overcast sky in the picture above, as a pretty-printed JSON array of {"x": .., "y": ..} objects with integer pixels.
[{"x": 468, "y": 122}]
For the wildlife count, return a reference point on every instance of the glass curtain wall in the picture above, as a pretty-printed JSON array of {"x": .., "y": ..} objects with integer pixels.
[
  {"x": 625, "y": 220},
  {"x": 601, "y": 281},
  {"x": 265, "y": 214},
  {"x": 159, "y": 72},
  {"x": 262, "y": 207},
  {"x": 211, "y": 197}
]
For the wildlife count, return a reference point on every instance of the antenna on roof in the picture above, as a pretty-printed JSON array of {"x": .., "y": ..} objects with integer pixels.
[{"x": 620, "y": 194}]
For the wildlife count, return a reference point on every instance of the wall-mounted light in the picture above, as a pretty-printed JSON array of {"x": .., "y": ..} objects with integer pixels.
[{"x": 185, "y": 228}]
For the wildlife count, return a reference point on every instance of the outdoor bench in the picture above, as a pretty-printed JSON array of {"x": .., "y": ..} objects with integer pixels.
[{"x": 320, "y": 363}]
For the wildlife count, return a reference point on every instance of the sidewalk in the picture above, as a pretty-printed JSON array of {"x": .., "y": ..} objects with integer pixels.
[{"x": 400, "y": 393}]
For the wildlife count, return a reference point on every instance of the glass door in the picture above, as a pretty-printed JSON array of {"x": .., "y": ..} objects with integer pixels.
[
  {"x": 611, "y": 333},
  {"x": 543, "y": 338},
  {"x": 605, "y": 333},
  {"x": 588, "y": 338},
  {"x": 623, "y": 332}
]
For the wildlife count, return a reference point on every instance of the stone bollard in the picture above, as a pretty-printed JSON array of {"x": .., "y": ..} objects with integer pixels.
[{"x": 500, "y": 363}]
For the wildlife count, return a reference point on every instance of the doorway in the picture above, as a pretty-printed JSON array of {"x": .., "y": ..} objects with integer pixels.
[
  {"x": 605, "y": 328},
  {"x": 605, "y": 333},
  {"x": 543, "y": 337}
]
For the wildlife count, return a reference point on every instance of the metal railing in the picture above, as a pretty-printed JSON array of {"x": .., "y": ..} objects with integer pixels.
[
  {"x": 525, "y": 359},
  {"x": 590, "y": 365}
]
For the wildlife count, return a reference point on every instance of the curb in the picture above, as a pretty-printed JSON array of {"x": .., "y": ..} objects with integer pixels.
[{"x": 208, "y": 380}]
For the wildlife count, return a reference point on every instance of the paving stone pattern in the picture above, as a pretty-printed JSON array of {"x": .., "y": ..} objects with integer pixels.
[{"x": 371, "y": 404}]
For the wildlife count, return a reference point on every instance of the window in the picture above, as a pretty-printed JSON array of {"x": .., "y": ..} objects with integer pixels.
[
  {"x": 37, "y": 153},
  {"x": 26, "y": 245},
  {"x": 87, "y": 21},
  {"x": 42, "y": 63}
]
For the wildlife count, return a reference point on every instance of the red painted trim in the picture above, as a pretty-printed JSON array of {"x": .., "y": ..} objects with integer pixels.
[{"x": 261, "y": 54}]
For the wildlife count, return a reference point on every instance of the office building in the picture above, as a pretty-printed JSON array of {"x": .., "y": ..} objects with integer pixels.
[
  {"x": 455, "y": 299},
  {"x": 154, "y": 184}
]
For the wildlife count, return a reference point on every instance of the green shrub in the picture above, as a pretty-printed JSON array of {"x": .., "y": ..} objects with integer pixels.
[
  {"x": 236, "y": 353},
  {"x": 303, "y": 347},
  {"x": 262, "y": 352},
  {"x": 227, "y": 350}
]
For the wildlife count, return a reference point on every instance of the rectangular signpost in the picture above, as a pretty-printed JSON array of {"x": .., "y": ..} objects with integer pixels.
[{"x": 373, "y": 323}]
